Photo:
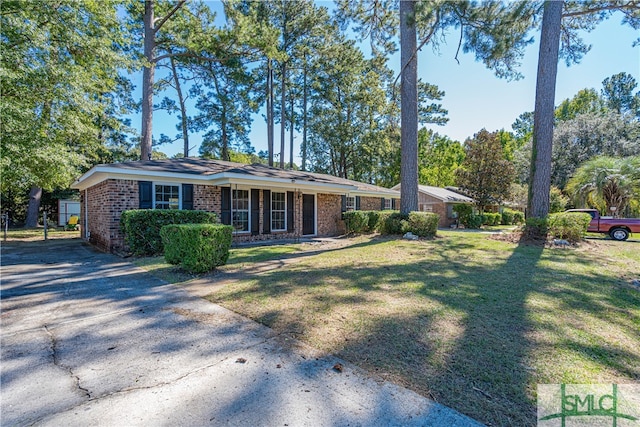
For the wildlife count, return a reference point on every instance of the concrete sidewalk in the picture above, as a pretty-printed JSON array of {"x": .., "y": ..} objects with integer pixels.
[{"x": 89, "y": 339}]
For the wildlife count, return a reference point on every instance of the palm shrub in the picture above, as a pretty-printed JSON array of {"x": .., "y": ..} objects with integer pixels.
[{"x": 604, "y": 182}]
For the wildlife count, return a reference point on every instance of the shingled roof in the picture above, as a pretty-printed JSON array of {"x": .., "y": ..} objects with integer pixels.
[
  {"x": 443, "y": 194},
  {"x": 211, "y": 170}
]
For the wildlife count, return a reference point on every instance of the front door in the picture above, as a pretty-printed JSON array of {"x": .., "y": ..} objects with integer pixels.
[{"x": 308, "y": 214}]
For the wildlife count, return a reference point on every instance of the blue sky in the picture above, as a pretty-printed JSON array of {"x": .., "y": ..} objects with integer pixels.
[{"x": 474, "y": 97}]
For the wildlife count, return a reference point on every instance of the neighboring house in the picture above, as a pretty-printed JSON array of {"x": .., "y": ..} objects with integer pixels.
[
  {"x": 261, "y": 202},
  {"x": 66, "y": 209},
  {"x": 440, "y": 201}
]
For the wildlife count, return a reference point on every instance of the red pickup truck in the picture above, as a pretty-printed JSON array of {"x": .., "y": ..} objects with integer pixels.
[{"x": 617, "y": 228}]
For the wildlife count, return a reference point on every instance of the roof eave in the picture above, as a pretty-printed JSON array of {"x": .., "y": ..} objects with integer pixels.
[
  {"x": 101, "y": 173},
  {"x": 227, "y": 178}
]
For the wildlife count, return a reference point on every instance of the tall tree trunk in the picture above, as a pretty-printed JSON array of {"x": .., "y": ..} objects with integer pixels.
[
  {"x": 543, "y": 120},
  {"x": 224, "y": 150},
  {"x": 35, "y": 196},
  {"x": 408, "y": 108},
  {"x": 147, "y": 82},
  {"x": 183, "y": 108},
  {"x": 283, "y": 112},
  {"x": 270, "y": 124},
  {"x": 291, "y": 123},
  {"x": 303, "y": 147}
]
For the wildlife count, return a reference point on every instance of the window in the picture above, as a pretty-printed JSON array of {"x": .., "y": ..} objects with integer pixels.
[
  {"x": 167, "y": 196},
  {"x": 450, "y": 212},
  {"x": 240, "y": 210},
  {"x": 424, "y": 207},
  {"x": 278, "y": 211},
  {"x": 388, "y": 204},
  {"x": 351, "y": 203}
]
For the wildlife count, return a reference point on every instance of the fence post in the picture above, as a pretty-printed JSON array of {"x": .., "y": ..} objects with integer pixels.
[
  {"x": 5, "y": 219},
  {"x": 44, "y": 220}
]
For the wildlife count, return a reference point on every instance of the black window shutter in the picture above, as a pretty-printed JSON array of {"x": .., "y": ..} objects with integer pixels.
[
  {"x": 266, "y": 216},
  {"x": 357, "y": 203},
  {"x": 187, "y": 196},
  {"x": 382, "y": 204},
  {"x": 344, "y": 203},
  {"x": 255, "y": 211},
  {"x": 290, "y": 225},
  {"x": 393, "y": 204},
  {"x": 225, "y": 206},
  {"x": 145, "y": 194}
]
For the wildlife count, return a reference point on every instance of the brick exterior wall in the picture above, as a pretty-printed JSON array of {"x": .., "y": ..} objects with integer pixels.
[
  {"x": 107, "y": 200},
  {"x": 207, "y": 198},
  {"x": 370, "y": 203},
  {"x": 436, "y": 206},
  {"x": 329, "y": 221}
]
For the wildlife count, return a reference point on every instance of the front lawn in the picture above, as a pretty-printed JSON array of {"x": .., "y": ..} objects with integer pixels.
[
  {"x": 471, "y": 322},
  {"x": 35, "y": 234}
]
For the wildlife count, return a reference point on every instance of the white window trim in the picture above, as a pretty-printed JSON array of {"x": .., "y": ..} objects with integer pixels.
[
  {"x": 248, "y": 230},
  {"x": 388, "y": 204},
  {"x": 285, "y": 211},
  {"x": 172, "y": 184},
  {"x": 351, "y": 207}
]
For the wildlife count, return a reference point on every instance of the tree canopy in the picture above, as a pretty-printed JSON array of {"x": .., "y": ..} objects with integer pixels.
[
  {"x": 303, "y": 66},
  {"x": 485, "y": 174}
]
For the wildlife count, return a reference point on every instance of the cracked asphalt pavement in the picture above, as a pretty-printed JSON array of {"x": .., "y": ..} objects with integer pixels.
[{"x": 89, "y": 339}]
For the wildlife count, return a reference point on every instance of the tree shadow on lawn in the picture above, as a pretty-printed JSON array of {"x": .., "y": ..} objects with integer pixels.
[{"x": 451, "y": 323}]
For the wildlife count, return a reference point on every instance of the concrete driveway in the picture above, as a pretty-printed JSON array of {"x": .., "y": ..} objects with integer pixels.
[{"x": 89, "y": 339}]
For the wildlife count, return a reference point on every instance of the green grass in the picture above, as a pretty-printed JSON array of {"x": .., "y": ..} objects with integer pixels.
[
  {"x": 238, "y": 259},
  {"x": 31, "y": 234},
  {"x": 472, "y": 322}
]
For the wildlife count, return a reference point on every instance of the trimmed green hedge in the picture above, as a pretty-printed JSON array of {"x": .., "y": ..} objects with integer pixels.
[
  {"x": 507, "y": 217},
  {"x": 141, "y": 227},
  {"x": 374, "y": 220},
  {"x": 424, "y": 224},
  {"x": 518, "y": 217},
  {"x": 490, "y": 218},
  {"x": 510, "y": 216},
  {"x": 356, "y": 222},
  {"x": 473, "y": 221},
  {"x": 198, "y": 248},
  {"x": 570, "y": 226},
  {"x": 396, "y": 223},
  {"x": 535, "y": 228},
  {"x": 465, "y": 212},
  {"x": 386, "y": 221}
]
